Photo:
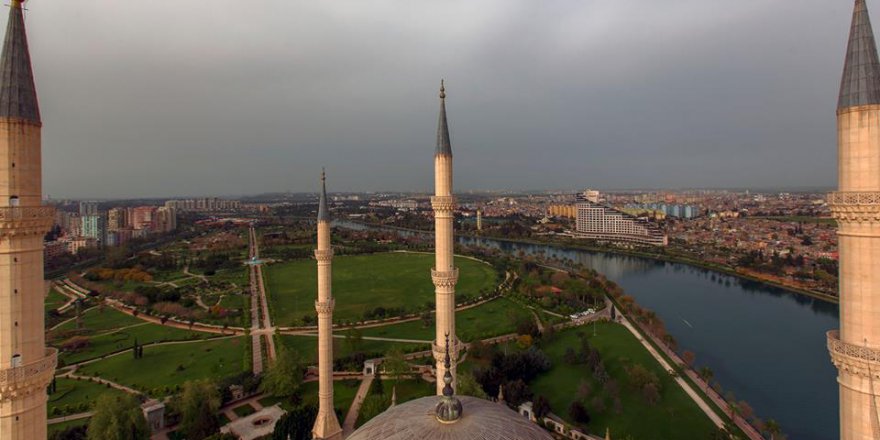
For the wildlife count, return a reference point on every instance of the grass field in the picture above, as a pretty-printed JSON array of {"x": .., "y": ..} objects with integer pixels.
[
  {"x": 364, "y": 282},
  {"x": 111, "y": 331},
  {"x": 494, "y": 318},
  {"x": 55, "y": 299},
  {"x": 75, "y": 396},
  {"x": 343, "y": 394},
  {"x": 407, "y": 390},
  {"x": 307, "y": 347},
  {"x": 172, "y": 365},
  {"x": 676, "y": 416}
]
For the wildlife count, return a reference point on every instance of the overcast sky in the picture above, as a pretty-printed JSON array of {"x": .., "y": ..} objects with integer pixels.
[{"x": 209, "y": 97}]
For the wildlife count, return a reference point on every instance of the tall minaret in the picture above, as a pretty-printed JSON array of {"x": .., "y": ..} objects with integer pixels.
[
  {"x": 26, "y": 365},
  {"x": 444, "y": 274},
  {"x": 326, "y": 425},
  {"x": 855, "y": 349}
]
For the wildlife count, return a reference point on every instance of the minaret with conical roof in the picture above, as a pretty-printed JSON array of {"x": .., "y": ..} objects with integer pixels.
[
  {"x": 444, "y": 274},
  {"x": 26, "y": 365},
  {"x": 326, "y": 424},
  {"x": 855, "y": 348}
]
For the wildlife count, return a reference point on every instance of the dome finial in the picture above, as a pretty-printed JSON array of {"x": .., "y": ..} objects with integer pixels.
[{"x": 449, "y": 408}]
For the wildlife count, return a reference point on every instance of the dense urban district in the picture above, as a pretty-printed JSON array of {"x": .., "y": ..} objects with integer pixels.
[{"x": 196, "y": 318}]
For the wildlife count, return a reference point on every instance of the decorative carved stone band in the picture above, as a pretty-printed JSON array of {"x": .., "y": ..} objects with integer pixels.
[
  {"x": 855, "y": 207},
  {"x": 854, "y": 359},
  {"x": 854, "y": 198},
  {"x": 28, "y": 378},
  {"x": 325, "y": 307},
  {"x": 445, "y": 278},
  {"x": 443, "y": 203},
  {"x": 15, "y": 220},
  {"x": 324, "y": 255}
]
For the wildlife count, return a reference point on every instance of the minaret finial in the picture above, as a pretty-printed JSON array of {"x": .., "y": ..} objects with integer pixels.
[{"x": 442, "y": 90}]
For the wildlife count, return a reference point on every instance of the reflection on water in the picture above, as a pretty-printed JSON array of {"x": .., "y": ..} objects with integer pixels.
[{"x": 764, "y": 344}]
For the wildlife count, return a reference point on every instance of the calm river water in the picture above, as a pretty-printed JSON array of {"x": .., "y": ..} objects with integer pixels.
[{"x": 764, "y": 344}]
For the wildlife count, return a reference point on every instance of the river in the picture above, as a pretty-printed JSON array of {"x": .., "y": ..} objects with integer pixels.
[{"x": 764, "y": 344}]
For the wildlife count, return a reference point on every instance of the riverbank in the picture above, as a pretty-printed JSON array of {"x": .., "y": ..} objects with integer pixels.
[{"x": 727, "y": 270}]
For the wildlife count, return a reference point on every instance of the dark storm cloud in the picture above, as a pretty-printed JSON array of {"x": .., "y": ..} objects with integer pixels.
[{"x": 218, "y": 97}]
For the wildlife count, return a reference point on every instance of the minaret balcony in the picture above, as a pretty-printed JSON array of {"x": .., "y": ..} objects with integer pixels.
[
  {"x": 443, "y": 203},
  {"x": 323, "y": 255},
  {"x": 445, "y": 278},
  {"x": 28, "y": 378},
  {"x": 854, "y": 359},
  {"x": 23, "y": 220}
]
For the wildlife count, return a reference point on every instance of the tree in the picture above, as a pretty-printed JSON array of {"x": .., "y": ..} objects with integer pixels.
[
  {"x": 296, "y": 424},
  {"x": 199, "y": 404},
  {"x": 541, "y": 407},
  {"x": 772, "y": 427},
  {"x": 284, "y": 374},
  {"x": 578, "y": 413},
  {"x": 395, "y": 364},
  {"x": 466, "y": 385},
  {"x": 688, "y": 357},
  {"x": 517, "y": 392},
  {"x": 118, "y": 417},
  {"x": 706, "y": 374},
  {"x": 651, "y": 393},
  {"x": 77, "y": 432}
]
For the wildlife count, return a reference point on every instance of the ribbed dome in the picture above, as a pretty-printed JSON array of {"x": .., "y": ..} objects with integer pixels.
[{"x": 480, "y": 420}]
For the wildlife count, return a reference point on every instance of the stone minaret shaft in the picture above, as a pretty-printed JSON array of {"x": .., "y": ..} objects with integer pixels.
[
  {"x": 26, "y": 365},
  {"x": 444, "y": 274},
  {"x": 326, "y": 424},
  {"x": 855, "y": 349}
]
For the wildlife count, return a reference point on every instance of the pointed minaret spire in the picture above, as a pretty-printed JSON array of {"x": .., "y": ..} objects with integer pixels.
[
  {"x": 18, "y": 94},
  {"x": 444, "y": 145},
  {"x": 323, "y": 211},
  {"x": 860, "y": 84}
]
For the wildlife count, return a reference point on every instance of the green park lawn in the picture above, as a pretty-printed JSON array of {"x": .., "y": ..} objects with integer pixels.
[
  {"x": 307, "y": 347},
  {"x": 166, "y": 366},
  {"x": 364, "y": 282},
  {"x": 343, "y": 394},
  {"x": 407, "y": 389},
  {"x": 110, "y": 331},
  {"x": 55, "y": 299},
  {"x": 75, "y": 396},
  {"x": 494, "y": 318},
  {"x": 676, "y": 416}
]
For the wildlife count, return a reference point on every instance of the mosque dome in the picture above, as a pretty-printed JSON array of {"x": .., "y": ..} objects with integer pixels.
[{"x": 479, "y": 420}]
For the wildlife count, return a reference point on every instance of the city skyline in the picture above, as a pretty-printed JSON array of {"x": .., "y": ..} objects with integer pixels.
[{"x": 268, "y": 93}]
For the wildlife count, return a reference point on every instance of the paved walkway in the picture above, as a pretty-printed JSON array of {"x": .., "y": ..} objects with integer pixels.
[
  {"x": 69, "y": 418},
  {"x": 261, "y": 322},
  {"x": 355, "y": 409}
]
